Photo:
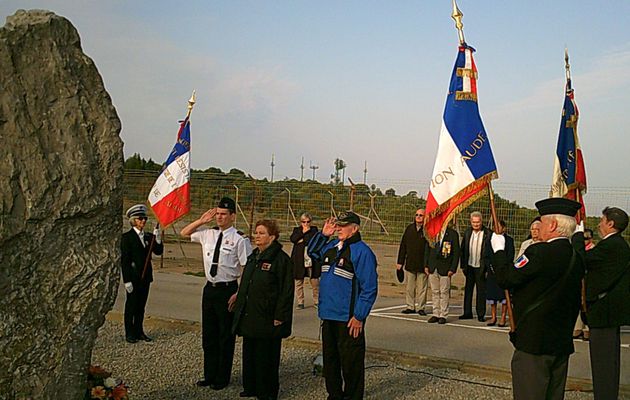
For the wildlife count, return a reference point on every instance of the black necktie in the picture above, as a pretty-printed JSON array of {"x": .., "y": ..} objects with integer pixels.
[{"x": 215, "y": 257}]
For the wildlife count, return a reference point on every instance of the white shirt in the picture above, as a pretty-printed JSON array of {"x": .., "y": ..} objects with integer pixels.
[
  {"x": 232, "y": 256},
  {"x": 140, "y": 236},
  {"x": 476, "y": 239}
]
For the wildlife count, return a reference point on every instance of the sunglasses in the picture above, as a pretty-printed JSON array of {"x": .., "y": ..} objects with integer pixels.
[
  {"x": 143, "y": 218},
  {"x": 587, "y": 238},
  {"x": 305, "y": 222},
  {"x": 419, "y": 215}
]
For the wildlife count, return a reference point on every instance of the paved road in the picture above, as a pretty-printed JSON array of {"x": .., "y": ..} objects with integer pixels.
[{"x": 178, "y": 296}]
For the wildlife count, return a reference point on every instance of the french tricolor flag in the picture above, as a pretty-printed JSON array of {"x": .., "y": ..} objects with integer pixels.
[
  {"x": 464, "y": 164},
  {"x": 170, "y": 196}
]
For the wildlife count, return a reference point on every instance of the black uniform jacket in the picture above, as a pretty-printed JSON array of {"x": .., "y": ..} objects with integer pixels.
[
  {"x": 411, "y": 250},
  {"x": 486, "y": 250},
  {"x": 546, "y": 329},
  {"x": 134, "y": 254},
  {"x": 607, "y": 282},
  {"x": 445, "y": 256},
  {"x": 300, "y": 240},
  {"x": 265, "y": 295}
]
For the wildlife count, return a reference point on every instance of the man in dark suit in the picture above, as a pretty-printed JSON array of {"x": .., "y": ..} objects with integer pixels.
[
  {"x": 411, "y": 256},
  {"x": 440, "y": 264},
  {"x": 545, "y": 283},
  {"x": 136, "y": 248},
  {"x": 607, "y": 299},
  {"x": 475, "y": 257}
]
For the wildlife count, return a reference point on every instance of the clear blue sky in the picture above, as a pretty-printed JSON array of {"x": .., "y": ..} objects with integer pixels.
[{"x": 359, "y": 80}]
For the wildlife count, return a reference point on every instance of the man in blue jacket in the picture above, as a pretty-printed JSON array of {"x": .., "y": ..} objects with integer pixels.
[{"x": 348, "y": 287}]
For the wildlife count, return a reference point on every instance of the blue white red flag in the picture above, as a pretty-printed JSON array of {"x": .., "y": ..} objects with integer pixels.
[
  {"x": 170, "y": 196},
  {"x": 464, "y": 164},
  {"x": 569, "y": 175}
]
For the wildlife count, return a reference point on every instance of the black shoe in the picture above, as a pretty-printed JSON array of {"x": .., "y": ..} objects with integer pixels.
[
  {"x": 492, "y": 323},
  {"x": 245, "y": 393},
  {"x": 407, "y": 311},
  {"x": 145, "y": 338},
  {"x": 433, "y": 319},
  {"x": 442, "y": 321},
  {"x": 130, "y": 339},
  {"x": 215, "y": 386},
  {"x": 481, "y": 319},
  {"x": 465, "y": 316},
  {"x": 421, "y": 312},
  {"x": 203, "y": 383}
]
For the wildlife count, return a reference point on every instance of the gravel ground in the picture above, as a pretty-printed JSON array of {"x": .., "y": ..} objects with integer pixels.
[{"x": 168, "y": 368}]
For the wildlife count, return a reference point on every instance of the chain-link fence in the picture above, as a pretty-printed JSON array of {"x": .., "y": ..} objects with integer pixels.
[{"x": 384, "y": 213}]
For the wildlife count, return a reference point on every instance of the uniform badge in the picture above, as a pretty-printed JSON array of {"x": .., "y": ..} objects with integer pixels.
[
  {"x": 265, "y": 266},
  {"x": 340, "y": 263},
  {"x": 521, "y": 261}
]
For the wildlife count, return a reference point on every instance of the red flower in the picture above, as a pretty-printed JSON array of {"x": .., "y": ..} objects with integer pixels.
[{"x": 119, "y": 392}]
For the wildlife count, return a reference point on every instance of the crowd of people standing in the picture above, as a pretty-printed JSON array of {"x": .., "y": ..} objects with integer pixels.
[{"x": 252, "y": 291}]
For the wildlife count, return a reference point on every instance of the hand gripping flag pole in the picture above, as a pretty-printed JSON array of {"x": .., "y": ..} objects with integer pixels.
[{"x": 169, "y": 197}]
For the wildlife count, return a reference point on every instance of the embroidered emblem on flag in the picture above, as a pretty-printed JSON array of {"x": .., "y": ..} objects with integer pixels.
[{"x": 521, "y": 262}]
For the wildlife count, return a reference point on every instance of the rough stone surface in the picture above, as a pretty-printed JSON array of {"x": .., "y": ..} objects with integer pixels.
[{"x": 60, "y": 206}]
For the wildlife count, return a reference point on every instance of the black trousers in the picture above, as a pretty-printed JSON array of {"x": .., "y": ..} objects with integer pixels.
[
  {"x": 344, "y": 361},
  {"x": 605, "y": 345},
  {"x": 216, "y": 333},
  {"x": 261, "y": 363},
  {"x": 537, "y": 377},
  {"x": 474, "y": 277},
  {"x": 134, "y": 310}
]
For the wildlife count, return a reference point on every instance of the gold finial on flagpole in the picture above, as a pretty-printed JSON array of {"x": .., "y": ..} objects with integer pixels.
[
  {"x": 567, "y": 66},
  {"x": 457, "y": 16},
  {"x": 191, "y": 104}
]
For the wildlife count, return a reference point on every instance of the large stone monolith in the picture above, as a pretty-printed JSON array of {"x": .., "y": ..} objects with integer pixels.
[{"x": 60, "y": 206}]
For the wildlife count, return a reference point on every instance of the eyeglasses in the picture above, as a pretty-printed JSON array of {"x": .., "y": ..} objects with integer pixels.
[
  {"x": 419, "y": 215},
  {"x": 143, "y": 218},
  {"x": 587, "y": 238},
  {"x": 306, "y": 222}
]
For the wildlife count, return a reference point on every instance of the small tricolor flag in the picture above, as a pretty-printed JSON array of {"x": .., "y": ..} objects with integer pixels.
[
  {"x": 569, "y": 175},
  {"x": 464, "y": 164},
  {"x": 170, "y": 196}
]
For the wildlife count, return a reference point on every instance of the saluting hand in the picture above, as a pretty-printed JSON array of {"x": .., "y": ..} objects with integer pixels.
[
  {"x": 355, "y": 327},
  {"x": 208, "y": 216},
  {"x": 329, "y": 226}
]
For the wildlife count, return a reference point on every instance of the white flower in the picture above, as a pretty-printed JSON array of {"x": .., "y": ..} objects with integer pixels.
[{"x": 110, "y": 382}]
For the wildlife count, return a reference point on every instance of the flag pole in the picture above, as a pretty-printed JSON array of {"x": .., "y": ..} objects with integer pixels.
[
  {"x": 191, "y": 104},
  {"x": 457, "y": 16}
]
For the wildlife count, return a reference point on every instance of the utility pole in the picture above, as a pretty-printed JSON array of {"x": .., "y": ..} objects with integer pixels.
[
  {"x": 302, "y": 170},
  {"x": 313, "y": 167},
  {"x": 273, "y": 164},
  {"x": 365, "y": 174}
]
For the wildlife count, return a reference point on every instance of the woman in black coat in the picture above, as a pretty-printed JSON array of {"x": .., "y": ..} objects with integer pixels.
[
  {"x": 264, "y": 311},
  {"x": 303, "y": 265},
  {"x": 494, "y": 294}
]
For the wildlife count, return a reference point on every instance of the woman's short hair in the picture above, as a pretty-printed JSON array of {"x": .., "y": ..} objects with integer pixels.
[
  {"x": 271, "y": 226},
  {"x": 306, "y": 215}
]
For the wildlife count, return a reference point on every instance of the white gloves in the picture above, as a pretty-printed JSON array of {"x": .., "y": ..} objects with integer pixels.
[
  {"x": 129, "y": 287},
  {"x": 158, "y": 236},
  {"x": 497, "y": 242},
  {"x": 579, "y": 227}
]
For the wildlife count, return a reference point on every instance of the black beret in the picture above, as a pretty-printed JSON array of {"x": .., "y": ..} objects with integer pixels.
[
  {"x": 558, "y": 205},
  {"x": 348, "y": 217},
  {"x": 227, "y": 203}
]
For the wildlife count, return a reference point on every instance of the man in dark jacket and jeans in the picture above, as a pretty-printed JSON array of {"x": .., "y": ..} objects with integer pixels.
[
  {"x": 608, "y": 306},
  {"x": 348, "y": 288},
  {"x": 411, "y": 256}
]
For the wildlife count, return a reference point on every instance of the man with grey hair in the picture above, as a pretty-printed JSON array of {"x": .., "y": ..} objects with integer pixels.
[
  {"x": 474, "y": 262},
  {"x": 545, "y": 283}
]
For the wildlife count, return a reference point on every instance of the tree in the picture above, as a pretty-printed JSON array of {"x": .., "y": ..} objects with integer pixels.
[{"x": 390, "y": 192}]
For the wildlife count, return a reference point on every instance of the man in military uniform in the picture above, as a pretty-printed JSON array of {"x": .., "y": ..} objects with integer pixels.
[
  {"x": 607, "y": 282},
  {"x": 136, "y": 247},
  {"x": 348, "y": 287},
  {"x": 545, "y": 283},
  {"x": 440, "y": 265},
  {"x": 225, "y": 251}
]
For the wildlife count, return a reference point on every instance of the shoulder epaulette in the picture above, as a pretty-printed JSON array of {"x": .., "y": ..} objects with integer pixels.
[
  {"x": 215, "y": 228},
  {"x": 241, "y": 233}
]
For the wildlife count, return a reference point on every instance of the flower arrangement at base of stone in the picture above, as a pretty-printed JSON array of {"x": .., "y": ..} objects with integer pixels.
[{"x": 101, "y": 385}]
